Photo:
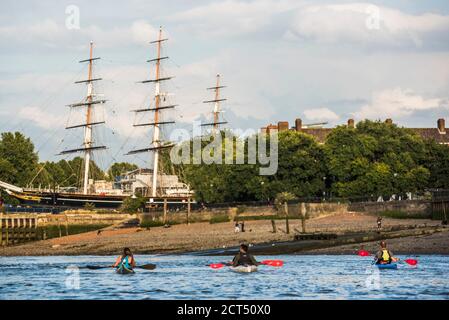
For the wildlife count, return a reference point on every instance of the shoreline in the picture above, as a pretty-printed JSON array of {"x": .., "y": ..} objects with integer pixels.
[{"x": 414, "y": 237}]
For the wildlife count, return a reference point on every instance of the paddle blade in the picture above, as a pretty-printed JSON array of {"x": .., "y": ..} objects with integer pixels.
[
  {"x": 273, "y": 263},
  {"x": 216, "y": 265},
  {"x": 148, "y": 266},
  {"x": 411, "y": 262},
  {"x": 97, "y": 267},
  {"x": 363, "y": 253}
]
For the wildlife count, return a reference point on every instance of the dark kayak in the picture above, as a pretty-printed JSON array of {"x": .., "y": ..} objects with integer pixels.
[
  {"x": 387, "y": 266},
  {"x": 124, "y": 270}
]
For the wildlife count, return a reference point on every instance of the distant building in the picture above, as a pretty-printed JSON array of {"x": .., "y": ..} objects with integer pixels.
[{"x": 440, "y": 134}]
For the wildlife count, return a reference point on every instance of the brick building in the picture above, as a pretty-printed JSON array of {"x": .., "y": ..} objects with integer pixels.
[{"x": 440, "y": 133}]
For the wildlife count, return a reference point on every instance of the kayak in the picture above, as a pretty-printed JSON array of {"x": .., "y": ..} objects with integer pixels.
[
  {"x": 387, "y": 266},
  {"x": 244, "y": 269},
  {"x": 124, "y": 270}
]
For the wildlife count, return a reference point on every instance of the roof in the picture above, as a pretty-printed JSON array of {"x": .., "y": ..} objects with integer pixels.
[{"x": 433, "y": 133}]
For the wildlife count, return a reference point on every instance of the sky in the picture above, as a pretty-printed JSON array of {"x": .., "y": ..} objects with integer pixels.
[{"x": 322, "y": 61}]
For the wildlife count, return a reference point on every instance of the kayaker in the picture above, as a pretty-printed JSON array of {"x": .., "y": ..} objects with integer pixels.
[
  {"x": 125, "y": 260},
  {"x": 384, "y": 256},
  {"x": 243, "y": 258}
]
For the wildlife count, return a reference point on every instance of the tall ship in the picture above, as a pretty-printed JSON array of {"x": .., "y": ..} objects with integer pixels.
[{"x": 151, "y": 183}]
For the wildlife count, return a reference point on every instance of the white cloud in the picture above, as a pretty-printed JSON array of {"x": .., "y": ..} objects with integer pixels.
[
  {"x": 321, "y": 114},
  {"x": 365, "y": 23},
  {"x": 52, "y": 34},
  {"x": 396, "y": 103},
  {"x": 42, "y": 119},
  {"x": 231, "y": 17}
]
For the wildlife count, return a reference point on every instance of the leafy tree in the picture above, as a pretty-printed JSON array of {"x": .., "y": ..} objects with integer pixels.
[
  {"x": 18, "y": 157},
  {"x": 376, "y": 159},
  {"x": 120, "y": 168},
  {"x": 438, "y": 165}
]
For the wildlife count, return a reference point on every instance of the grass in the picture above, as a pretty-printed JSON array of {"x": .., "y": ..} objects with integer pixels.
[
  {"x": 266, "y": 217},
  {"x": 219, "y": 219},
  {"x": 147, "y": 223},
  {"x": 395, "y": 214},
  {"x": 53, "y": 231}
]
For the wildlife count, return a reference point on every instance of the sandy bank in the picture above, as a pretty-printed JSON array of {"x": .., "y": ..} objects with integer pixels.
[{"x": 202, "y": 236}]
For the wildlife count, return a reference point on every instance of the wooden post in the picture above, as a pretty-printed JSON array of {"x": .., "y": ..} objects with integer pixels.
[
  {"x": 59, "y": 229},
  {"x": 7, "y": 231},
  {"x": 273, "y": 224},
  {"x": 165, "y": 210},
  {"x": 1, "y": 229},
  {"x": 302, "y": 212},
  {"x": 35, "y": 228},
  {"x": 287, "y": 225},
  {"x": 188, "y": 210},
  {"x": 13, "y": 231},
  {"x": 66, "y": 225}
]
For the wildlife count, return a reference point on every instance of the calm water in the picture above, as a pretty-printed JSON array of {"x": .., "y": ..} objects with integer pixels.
[{"x": 188, "y": 277}]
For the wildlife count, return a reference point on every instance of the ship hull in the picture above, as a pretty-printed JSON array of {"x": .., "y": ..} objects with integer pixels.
[
  {"x": 80, "y": 200},
  {"x": 69, "y": 199}
]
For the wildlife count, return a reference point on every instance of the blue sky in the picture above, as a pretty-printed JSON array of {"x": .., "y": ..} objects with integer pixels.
[{"x": 316, "y": 60}]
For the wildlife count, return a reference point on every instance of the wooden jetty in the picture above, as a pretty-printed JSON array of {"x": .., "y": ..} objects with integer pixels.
[{"x": 16, "y": 229}]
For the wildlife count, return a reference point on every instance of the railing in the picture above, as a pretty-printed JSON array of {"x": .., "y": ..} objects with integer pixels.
[{"x": 18, "y": 209}]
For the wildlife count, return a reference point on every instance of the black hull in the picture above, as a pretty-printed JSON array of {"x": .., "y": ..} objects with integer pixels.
[
  {"x": 75, "y": 201},
  {"x": 80, "y": 200}
]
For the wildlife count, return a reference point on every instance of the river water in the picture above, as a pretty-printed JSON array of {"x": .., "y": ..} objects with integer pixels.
[{"x": 189, "y": 277}]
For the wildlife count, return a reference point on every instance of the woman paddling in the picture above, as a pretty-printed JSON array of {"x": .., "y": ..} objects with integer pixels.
[
  {"x": 243, "y": 258},
  {"x": 384, "y": 256},
  {"x": 125, "y": 261}
]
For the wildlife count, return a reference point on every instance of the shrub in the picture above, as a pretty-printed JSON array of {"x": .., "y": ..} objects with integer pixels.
[
  {"x": 132, "y": 205},
  {"x": 219, "y": 219},
  {"x": 283, "y": 197}
]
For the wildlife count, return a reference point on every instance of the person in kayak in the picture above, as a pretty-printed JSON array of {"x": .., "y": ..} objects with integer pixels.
[
  {"x": 126, "y": 260},
  {"x": 384, "y": 256},
  {"x": 243, "y": 258}
]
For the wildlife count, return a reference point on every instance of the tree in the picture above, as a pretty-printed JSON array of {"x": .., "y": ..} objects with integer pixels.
[
  {"x": 119, "y": 168},
  {"x": 18, "y": 156},
  {"x": 376, "y": 159},
  {"x": 438, "y": 165}
]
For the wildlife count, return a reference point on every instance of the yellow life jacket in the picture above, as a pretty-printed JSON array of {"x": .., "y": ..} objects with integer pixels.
[{"x": 386, "y": 255}]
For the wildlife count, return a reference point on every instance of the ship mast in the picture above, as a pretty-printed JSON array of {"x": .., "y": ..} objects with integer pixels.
[
  {"x": 88, "y": 103},
  {"x": 158, "y": 108},
  {"x": 217, "y": 110}
]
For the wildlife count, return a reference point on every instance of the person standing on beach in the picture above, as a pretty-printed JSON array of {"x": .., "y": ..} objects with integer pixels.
[
  {"x": 379, "y": 223},
  {"x": 237, "y": 227}
]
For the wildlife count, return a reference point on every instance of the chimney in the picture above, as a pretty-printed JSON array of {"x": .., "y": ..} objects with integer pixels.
[
  {"x": 282, "y": 126},
  {"x": 298, "y": 124},
  {"x": 441, "y": 125},
  {"x": 271, "y": 128},
  {"x": 350, "y": 123},
  {"x": 389, "y": 121}
]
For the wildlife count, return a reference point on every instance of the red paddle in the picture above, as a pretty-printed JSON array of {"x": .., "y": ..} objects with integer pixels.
[
  {"x": 412, "y": 262},
  {"x": 272, "y": 263},
  {"x": 363, "y": 253}
]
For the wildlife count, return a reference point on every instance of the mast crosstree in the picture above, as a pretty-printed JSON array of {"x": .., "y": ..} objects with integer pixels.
[
  {"x": 157, "y": 145},
  {"x": 217, "y": 108},
  {"x": 88, "y": 103}
]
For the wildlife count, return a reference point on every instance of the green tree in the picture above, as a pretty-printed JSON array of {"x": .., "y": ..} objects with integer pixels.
[
  {"x": 18, "y": 156},
  {"x": 120, "y": 168},
  {"x": 438, "y": 165},
  {"x": 376, "y": 159}
]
